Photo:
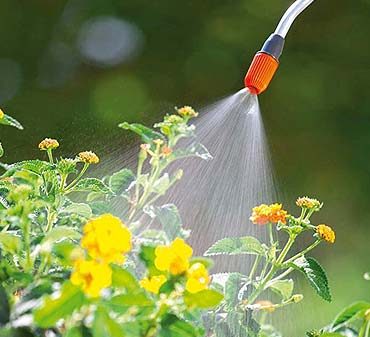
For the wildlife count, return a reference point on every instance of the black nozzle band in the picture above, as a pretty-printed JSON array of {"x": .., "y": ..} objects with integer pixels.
[{"x": 274, "y": 46}]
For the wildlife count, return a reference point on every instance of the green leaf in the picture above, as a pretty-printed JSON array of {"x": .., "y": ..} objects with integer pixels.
[
  {"x": 73, "y": 332},
  {"x": 61, "y": 233},
  {"x": 147, "y": 255},
  {"x": 91, "y": 185},
  {"x": 172, "y": 326},
  {"x": 169, "y": 218},
  {"x": 19, "y": 332},
  {"x": 352, "y": 311},
  {"x": 121, "y": 180},
  {"x": 204, "y": 299},
  {"x": 162, "y": 184},
  {"x": 315, "y": 275},
  {"x": 8, "y": 120},
  {"x": 236, "y": 246},
  {"x": 146, "y": 134},
  {"x": 10, "y": 243},
  {"x": 35, "y": 166},
  {"x": 331, "y": 334},
  {"x": 139, "y": 299},
  {"x": 121, "y": 278},
  {"x": 193, "y": 150},
  {"x": 104, "y": 325},
  {"x": 79, "y": 209},
  {"x": 4, "y": 307},
  {"x": 1, "y": 150},
  {"x": 58, "y": 306},
  {"x": 283, "y": 287},
  {"x": 232, "y": 288}
]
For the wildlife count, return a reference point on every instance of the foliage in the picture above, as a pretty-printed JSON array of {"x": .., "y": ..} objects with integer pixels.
[
  {"x": 353, "y": 320},
  {"x": 245, "y": 303},
  {"x": 69, "y": 268}
]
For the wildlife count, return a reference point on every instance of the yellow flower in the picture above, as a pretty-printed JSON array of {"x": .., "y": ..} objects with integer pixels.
[
  {"x": 88, "y": 157},
  {"x": 173, "y": 258},
  {"x": 263, "y": 214},
  {"x": 310, "y": 203},
  {"x": 325, "y": 233},
  {"x": 198, "y": 278},
  {"x": 277, "y": 214},
  {"x": 92, "y": 276},
  {"x": 265, "y": 305},
  {"x": 154, "y": 283},
  {"x": 260, "y": 214},
  {"x": 2, "y": 114},
  {"x": 48, "y": 144},
  {"x": 187, "y": 111},
  {"x": 106, "y": 239}
]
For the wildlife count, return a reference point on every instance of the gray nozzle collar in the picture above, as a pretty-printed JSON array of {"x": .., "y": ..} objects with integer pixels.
[{"x": 274, "y": 46}]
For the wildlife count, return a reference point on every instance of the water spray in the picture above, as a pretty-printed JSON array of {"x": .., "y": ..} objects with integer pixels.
[{"x": 266, "y": 61}]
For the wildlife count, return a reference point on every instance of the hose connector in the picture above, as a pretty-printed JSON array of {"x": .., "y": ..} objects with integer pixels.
[{"x": 264, "y": 65}]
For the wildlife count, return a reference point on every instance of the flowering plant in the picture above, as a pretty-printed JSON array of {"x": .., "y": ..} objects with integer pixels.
[
  {"x": 245, "y": 307},
  {"x": 73, "y": 265},
  {"x": 76, "y": 269}
]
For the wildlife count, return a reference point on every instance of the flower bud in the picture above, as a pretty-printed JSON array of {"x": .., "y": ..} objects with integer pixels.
[
  {"x": 88, "y": 157},
  {"x": 48, "y": 144}
]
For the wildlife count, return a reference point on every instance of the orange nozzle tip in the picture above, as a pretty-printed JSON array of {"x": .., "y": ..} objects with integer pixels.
[{"x": 260, "y": 73}]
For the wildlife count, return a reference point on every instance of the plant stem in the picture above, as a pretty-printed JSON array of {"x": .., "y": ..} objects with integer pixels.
[
  {"x": 50, "y": 220},
  {"x": 271, "y": 234},
  {"x": 254, "y": 267},
  {"x": 27, "y": 242},
  {"x": 365, "y": 329},
  {"x": 50, "y": 156},
  {"x": 75, "y": 181},
  {"x": 303, "y": 252},
  {"x": 282, "y": 275},
  {"x": 273, "y": 269}
]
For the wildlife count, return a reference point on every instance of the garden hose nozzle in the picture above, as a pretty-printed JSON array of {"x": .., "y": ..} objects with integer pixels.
[{"x": 266, "y": 61}]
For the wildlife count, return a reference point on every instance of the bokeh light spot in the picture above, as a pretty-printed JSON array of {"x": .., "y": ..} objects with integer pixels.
[{"x": 108, "y": 41}]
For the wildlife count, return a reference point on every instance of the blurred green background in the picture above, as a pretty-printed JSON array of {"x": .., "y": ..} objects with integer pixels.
[{"x": 75, "y": 69}]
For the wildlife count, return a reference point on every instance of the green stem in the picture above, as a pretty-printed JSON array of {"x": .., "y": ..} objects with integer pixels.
[
  {"x": 286, "y": 249},
  {"x": 273, "y": 269},
  {"x": 50, "y": 156},
  {"x": 282, "y": 275},
  {"x": 63, "y": 179},
  {"x": 303, "y": 212},
  {"x": 27, "y": 242},
  {"x": 254, "y": 267},
  {"x": 365, "y": 329},
  {"x": 75, "y": 181},
  {"x": 303, "y": 252},
  {"x": 50, "y": 220},
  {"x": 271, "y": 234}
]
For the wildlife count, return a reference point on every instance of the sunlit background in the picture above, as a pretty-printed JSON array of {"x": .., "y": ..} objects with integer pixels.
[{"x": 74, "y": 69}]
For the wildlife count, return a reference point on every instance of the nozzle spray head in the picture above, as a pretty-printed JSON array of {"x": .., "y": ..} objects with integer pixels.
[
  {"x": 266, "y": 61},
  {"x": 264, "y": 65}
]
